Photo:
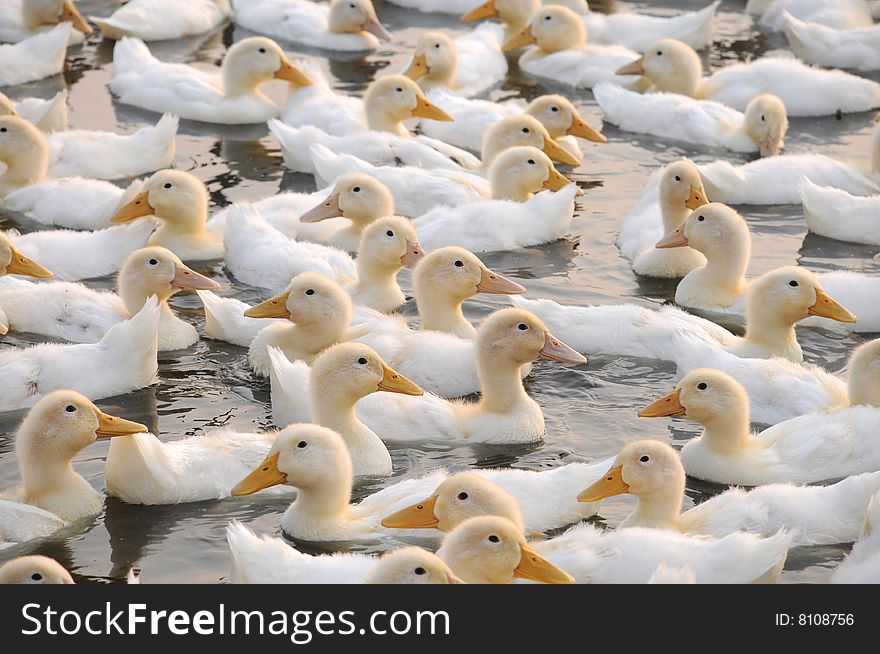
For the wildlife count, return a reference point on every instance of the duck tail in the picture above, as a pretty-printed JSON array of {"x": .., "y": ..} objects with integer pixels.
[{"x": 295, "y": 143}]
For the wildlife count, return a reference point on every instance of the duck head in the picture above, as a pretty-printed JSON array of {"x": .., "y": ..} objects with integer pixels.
[
  {"x": 681, "y": 186},
  {"x": 514, "y": 14},
  {"x": 177, "y": 198},
  {"x": 157, "y": 271},
  {"x": 522, "y": 130},
  {"x": 713, "y": 229},
  {"x": 311, "y": 300},
  {"x": 13, "y": 262},
  {"x": 518, "y": 172},
  {"x": 391, "y": 100},
  {"x": 411, "y": 565},
  {"x": 37, "y": 14},
  {"x": 560, "y": 118},
  {"x": 672, "y": 66},
  {"x": 350, "y": 371},
  {"x": 25, "y": 151},
  {"x": 766, "y": 123},
  {"x": 389, "y": 244},
  {"x": 34, "y": 570},
  {"x": 519, "y": 336},
  {"x": 255, "y": 60},
  {"x": 357, "y": 196},
  {"x": 864, "y": 375},
  {"x": 435, "y": 60},
  {"x": 353, "y": 16},
  {"x": 553, "y": 29}
]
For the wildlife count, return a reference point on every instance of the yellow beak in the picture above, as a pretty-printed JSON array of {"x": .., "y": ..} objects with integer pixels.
[
  {"x": 556, "y": 180},
  {"x": 522, "y": 39},
  {"x": 139, "y": 206},
  {"x": 668, "y": 405},
  {"x": 263, "y": 476},
  {"x": 110, "y": 426},
  {"x": 556, "y": 152},
  {"x": 486, "y": 10},
  {"x": 636, "y": 67},
  {"x": 580, "y": 128},
  {"x": 394, "y": 382},
  {"x": 329, "y": 208},
  {"x": 536, "y": 568},
  {"x": 611, "y": 484},
  {"x": 426, "y": 109},
  {"x": 186, "y": 277},
  {"x": 418, "y": 68},
  {"x": 675, "y": 239},
  {"x": 828, "y": 308},
  {"x": 696, "y": 199},
  {"x": 70, "y": 14},
  {"x": 292, "y": 74},
  {"x": 275, "y": 307},
  {"x": 21, "y": 265},
  {"x": 417, "y": 516},
  {"x": 492, "y": 282}
]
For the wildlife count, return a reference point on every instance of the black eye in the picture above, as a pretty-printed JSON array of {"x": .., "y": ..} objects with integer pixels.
[
  {"x": 357, "y": 189},
  {"x": 399, "y": 90},
  {"x": 554, "y": 109},
  {"x": 301, "y": 444},
  {"x": 362, "y": 361},
  {"x": 701, "y": 218},
  {"x": 167, "y": 185},
  {"x": 702, "y": 386},
  {"x": 792, "y": 283},
  {"x": 389, "y": 233},
  {"x": 37, "y": 576},
  {"x": 659, "y": 53},
  {"x": 677, "y": 178},
  {"x": 522, "y": 326},
  {"x": 494, "y": 539},
  {"x": 420, "y": 571},
  {"x": 3, "y": 129},
  {"x": 548, "y": 17},
  {"x": 262, "y": 50},
  {"x": 352, "y": 6},
  {"x": 436, "y": 45},
  {"x": 310, "y": 291},
  {"x": 462, "y": 496},
  {"x": 70, "y": 408},
  {"x": 531, "y": 162},
  {"x": 762, "y": 118},
  {"x": 459, "y": 263},
  {"x": 645, "y": 458},
  {"x": 525, "y": 130},
  {"x": 153, "y": 262}
]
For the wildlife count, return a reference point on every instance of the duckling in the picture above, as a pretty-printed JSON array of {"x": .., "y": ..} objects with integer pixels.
[
  {"x": 180, "y": 201},
  {"x": 680, "y": 191},
  {"x": 514, "y": 218},
  {"x": 49, "y": 115},
  {"x": 36, "y": 57},
  {"x": 341, "y": 25},
  {"x": 58, "y": 426},
  {"x": 518, "y": 131},
  {"x": 123, "y": 360},
  {"x": 160, "y": 20},
  {"x": 861, "y": 565},
  {"x": 34, "y": 570},
  {"x": 79, "y": 314},
  {"x": 228, "y": 96},
  {"x": 814, "y": 447},
  {"x": 562, "y": 52},
  {"x": 701, "y": 122},
  {"x": 390, "y": 100},
  {"x": 467, "y": 66},
  {"x": 820, "y": 44},
  {"x": 673, "y": 67},
  {"x": 653, "y": 472},
  {"x": 13, "y": 262},
  {"x": 411, "y": 565},
  {"x": 37, "y": 16}
]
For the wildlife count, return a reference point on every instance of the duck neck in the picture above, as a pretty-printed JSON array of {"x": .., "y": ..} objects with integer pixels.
[
  {"x": 334, "y": 408},
  {"x": 42, "y": 477},
  {"x": 863, "y": 390},
  {"x": 378, "y": 119},
  {"x": 507, "y": 187},
  {"x": 500, "y": 382},
  {"x": 324, "y": 502},
  {"x": 309, "y": 339},
  {"x": 726, "y": 432},
  {"x": 660, "y": 509},
  {"x": 26, "y": 167},
  {"x": 441, "y": 312},
  {"x": 725, "y": 270},
  {"x": 673, "y": 216},
  {"x": 376, "y": 276},
  {"x": 770, "y": 331}
]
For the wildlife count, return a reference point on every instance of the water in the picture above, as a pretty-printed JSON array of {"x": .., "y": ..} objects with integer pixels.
[{"x": 590, "y": 410}]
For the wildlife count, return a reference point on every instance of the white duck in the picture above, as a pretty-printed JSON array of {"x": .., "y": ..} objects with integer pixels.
[
  {"x": 34, "y": 570},
  {"x": 319, "y": 105},
  {"x": 53, "y": 432},
  {"x": 862, "y": 564},
  {"x": 630, "y": 29},
  {"x": 123, "y": 360},
  {"x": 179, "y": 200},
  {"x": 342, "y": 25},
  {"x": 814, "y": 447},
  {"x": 700, "y": 122},
  {"x": 837, "y": 14},
  {"x": 674, "y": 67},
  {"x": 515, "y": 220},
  {"x": 22, "y": 19},
  {"x": 13, "y": 262},
  {"x": 814, "y": 515},
  {"x": 663, "y": 209},
  {"x": 49, "y": 115},
  {"x": 486, "y": 549},
  {"x": 468, "y": 66},
  {"x": 159, "y": 20},
  {"x": 562, "y": 54},
  {"x": 506, "y": 340},
  {"x": 228, "y": 95},
  {"x": 35, "y": 58},
  {"x": 411, "y": 565},
  {"x": 817, "y": 43},
  {"x": 68, "y": 202},
  {"x": 77, "y": 313}
]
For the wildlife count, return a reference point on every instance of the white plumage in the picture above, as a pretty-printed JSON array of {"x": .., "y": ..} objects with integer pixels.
[
  {"x": 158, "y": 20},
  {"x": 835, "y": 213},
  {"x": 38, "y": 56},
  {"x": 637, "y": 31}
]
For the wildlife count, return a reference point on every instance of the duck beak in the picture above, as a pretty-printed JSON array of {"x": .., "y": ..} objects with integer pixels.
[
  {"x": 185, "y": 277},
  {"x": 414, "y": 253},
  {"x": 668, "y": 405},
  {"x": 556, "y": 180},
  {"x": 275, "y": 307},
  {"x": 418, "y": 68},
  {"x": 138, "y": 207},
  {"x": 769, "y": 147},
  {"x": 611, "y": 484},
  {"x": 580, "y": 128},
  {"x": 70, "y": 14},
  {"x": 522, "y": 39},
  {"x": 829, "y": 308},
  {"x": 636, "y": 67},
  {"x": 492, "y": 282},
  {"x": 394, "y": 382},
  {"x": 426, "y": 109},
  {"x": 536, "y": 568},
  {"x": 292, "y": 74},
  {"x": 556, "y": 152},
  {"x": 486, "y": 10},
  {"x": 675, "y": 239},
  {"x": 377, "y": 29},
  {"x": 417, "y": 516},
  {"x": 110, "y": 426},
  {"x": 263, "y": 476},
  {"x": 22, "y": 265},
  {"x": 556, "y": 350},
  {"x": 696, "y": 198},
  {"x": 329, "y": 208}
]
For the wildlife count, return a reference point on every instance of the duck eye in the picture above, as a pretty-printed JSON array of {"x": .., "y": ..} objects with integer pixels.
[
  {"x": 357, "y": 189},
  {"x": 153, "y": 262},
  {"x": 362, "y": 361},
  {"x": 459, "y": 263},
  {"x": 792, "y": 283},
  {"x": 352, "y": 5},
  {"x": 167, "y": 185},
  {"x": 531, "y": 162},
  {"x": 262, "y": 50},
  {"x": 420, "y": 571},
  {"x": 645, "y": 458},
  {"x": 436, "y": 45},
  {"x": 70, "y": 408},
  {"x": 3, "y": 129},
  {"x": 525, "y": 130},
  {"x": 389, "y": 233},
  {"x": 677, "y": 178},
  {"x": 310, "y": 291},
  {"x": 702, "y": 386},
  {"x": 762, "y": 118},
  {"x": 462, "y": 496},
  {"x": 301, "y": 444},
  {"x": 522, "y": 326},
  {"x": 554, "y": 109},
  {"x": 37, "y": 576},
  {"x": 548, "y": 17},
  {"x": 701, "y": 218},
  {"x": 659, "y": 53},
  {"x": 494, "y": 539},
  {"x": 399, "y": 90}
]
